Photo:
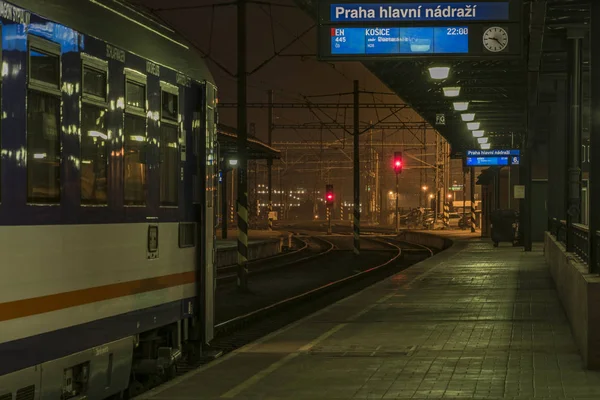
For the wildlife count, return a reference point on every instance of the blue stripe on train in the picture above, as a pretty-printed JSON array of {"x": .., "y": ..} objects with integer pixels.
[{"x": 34, "y": 350}]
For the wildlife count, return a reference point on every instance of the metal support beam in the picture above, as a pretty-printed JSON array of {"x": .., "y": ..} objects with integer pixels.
[
  {"x": 224, "y": 202},
  {"x": 242, "y": 134},
  {"x": 270, "y": 160},
  {"x": 557, "y": 154},
  {"x": 472, "y": 199},
  {"x": 594, "y": 177},
  {"x": 574, "y": 159},
  {"x": 525, "y": 214},
  {"x": 361, "y": 127},
  {"x": 317, "y": 105},
  {"x": 356, "y": 140}
]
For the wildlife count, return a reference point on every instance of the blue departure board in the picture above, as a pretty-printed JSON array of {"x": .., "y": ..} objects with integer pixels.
[
  {"x": 492, "y": 158},
  {"x": 390, "y": 41}
]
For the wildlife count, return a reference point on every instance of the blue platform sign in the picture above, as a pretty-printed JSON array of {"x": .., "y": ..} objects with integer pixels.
[
  {"x": 404, "y": 12},
  {"x": 492, "y": 158},
  {"x": 389, "y": 41}
]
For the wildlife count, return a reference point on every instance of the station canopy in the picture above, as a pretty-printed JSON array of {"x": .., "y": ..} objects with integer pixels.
[
  {"x": 257, "y": 150},
  {"x": 499, "y": 91}
]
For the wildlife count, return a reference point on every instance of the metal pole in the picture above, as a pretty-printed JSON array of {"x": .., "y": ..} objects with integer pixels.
[
  {"x": 224, "y": 205},
  {"x": 437, "y": 180},
  {"x": 270, "y": 160},
  {"x": 464, "y": 197},
  {"x": 242, "y": 133},
  {"x": 472, "y": 199},
  {"x": 397, "y": 215},
  {"x": 356, "y": 170},
  {"x": 328, "y": 220},
  {"x": 594, "y": 176},
  {"x": 574, "y": 211}
]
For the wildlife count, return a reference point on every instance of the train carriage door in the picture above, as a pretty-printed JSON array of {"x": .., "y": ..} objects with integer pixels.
[{"x": 209, "y": 208}]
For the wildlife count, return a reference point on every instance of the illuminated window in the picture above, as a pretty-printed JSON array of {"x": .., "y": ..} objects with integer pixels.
[
  {"x": 94, "y": 135},
  {"x": 135, "y": 140},
  {"x": 169, "y": 146},
  {"x": 94, "y": 155},
  {"x": 43, "y": 122}
]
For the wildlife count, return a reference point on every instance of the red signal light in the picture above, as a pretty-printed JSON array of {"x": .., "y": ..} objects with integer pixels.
[
  {"x": 398, "y": 162},
  {"x": 329, "y": 195}
]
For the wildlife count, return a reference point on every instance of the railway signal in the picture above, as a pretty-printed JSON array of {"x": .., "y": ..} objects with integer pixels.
[
  {"x": 398, "y": 164},
  {"x": 329, "y": 197}
]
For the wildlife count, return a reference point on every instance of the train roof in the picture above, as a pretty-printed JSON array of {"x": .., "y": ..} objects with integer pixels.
[{"x": 125, "y": 26}]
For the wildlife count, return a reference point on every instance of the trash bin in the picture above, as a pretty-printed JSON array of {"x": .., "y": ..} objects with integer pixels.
[{"x": 505, "y": 226}]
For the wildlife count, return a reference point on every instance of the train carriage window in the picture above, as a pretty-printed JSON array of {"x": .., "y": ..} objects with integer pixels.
[
  {"x": 94, "y": 135},
  {"x": 169, "y": 145},
  {"x": 43, "y": 122},
  {"x": 135, "y": 140}
]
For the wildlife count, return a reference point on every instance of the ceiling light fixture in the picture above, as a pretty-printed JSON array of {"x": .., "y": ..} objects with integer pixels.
[
  {"x": 482, "y": 140},
  {"x": 451, "y": 91},
  {"x": 478, "y": 133},
  {"x": 468, "y": 117},
  {"x": 485, "y": 146},
  {"x": 439, "y": 72},
  {"x": 461, "y": 105},
  {"x": 473, "y": 126}
]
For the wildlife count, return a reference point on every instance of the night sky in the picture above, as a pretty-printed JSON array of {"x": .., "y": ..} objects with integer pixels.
[{"x": 213, "y": 30}]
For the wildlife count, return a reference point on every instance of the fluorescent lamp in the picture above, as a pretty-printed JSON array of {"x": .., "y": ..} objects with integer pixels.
[
  {"x": 473, "y": 126},
  {"x": 467, "y": 117},
  {"x": 233, "y": 162},
  {"x": 451, "y": 91},
  {"x": 485, "y": 146},
  {"x": 439, "y": 72},
  {"x": 482, "y": 140},
  {"x": 478, "y": 133},
  {"x": 461, "y": 106}
]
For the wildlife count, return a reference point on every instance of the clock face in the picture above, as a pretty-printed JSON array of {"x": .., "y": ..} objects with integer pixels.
[{"x": 495, "y": 39}]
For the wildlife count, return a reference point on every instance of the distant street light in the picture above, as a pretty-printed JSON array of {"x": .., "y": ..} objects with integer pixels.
[{"x": 424, "y": 188}]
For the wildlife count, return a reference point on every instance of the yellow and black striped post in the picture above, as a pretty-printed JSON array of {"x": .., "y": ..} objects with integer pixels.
[
  {"x": 473, "y": 200},
  {"x": 342, "y": 212},
  {"x": 446, "y": 215}
]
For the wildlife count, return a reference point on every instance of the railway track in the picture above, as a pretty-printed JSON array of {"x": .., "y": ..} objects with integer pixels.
[
  {"x": 235, "y": 332},
  {"x": 310, "y": 248}
]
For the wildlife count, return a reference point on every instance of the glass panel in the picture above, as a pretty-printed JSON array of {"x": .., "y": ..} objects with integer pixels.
[
  {"x": 43, "y": 148},
  {"x": 169, "y": 106},
  {"x": 94, "y": 82},
  {"x": 94, "y": 155},
  {"x": 136, "y": 95},
  {"x": 44, "y": 67},
  {"x": 169, "y": 167},
  {"x": 134, "y": 160}
]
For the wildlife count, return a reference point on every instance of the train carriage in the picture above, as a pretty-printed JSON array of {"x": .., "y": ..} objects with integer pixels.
[{"x": 107, "y": 184}]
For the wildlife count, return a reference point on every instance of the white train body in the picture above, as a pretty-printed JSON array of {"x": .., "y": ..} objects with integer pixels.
[{"x": 107, "y": 184}]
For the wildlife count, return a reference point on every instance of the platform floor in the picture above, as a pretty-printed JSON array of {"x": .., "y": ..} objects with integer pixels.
[{"x": 473, "y": 322}]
